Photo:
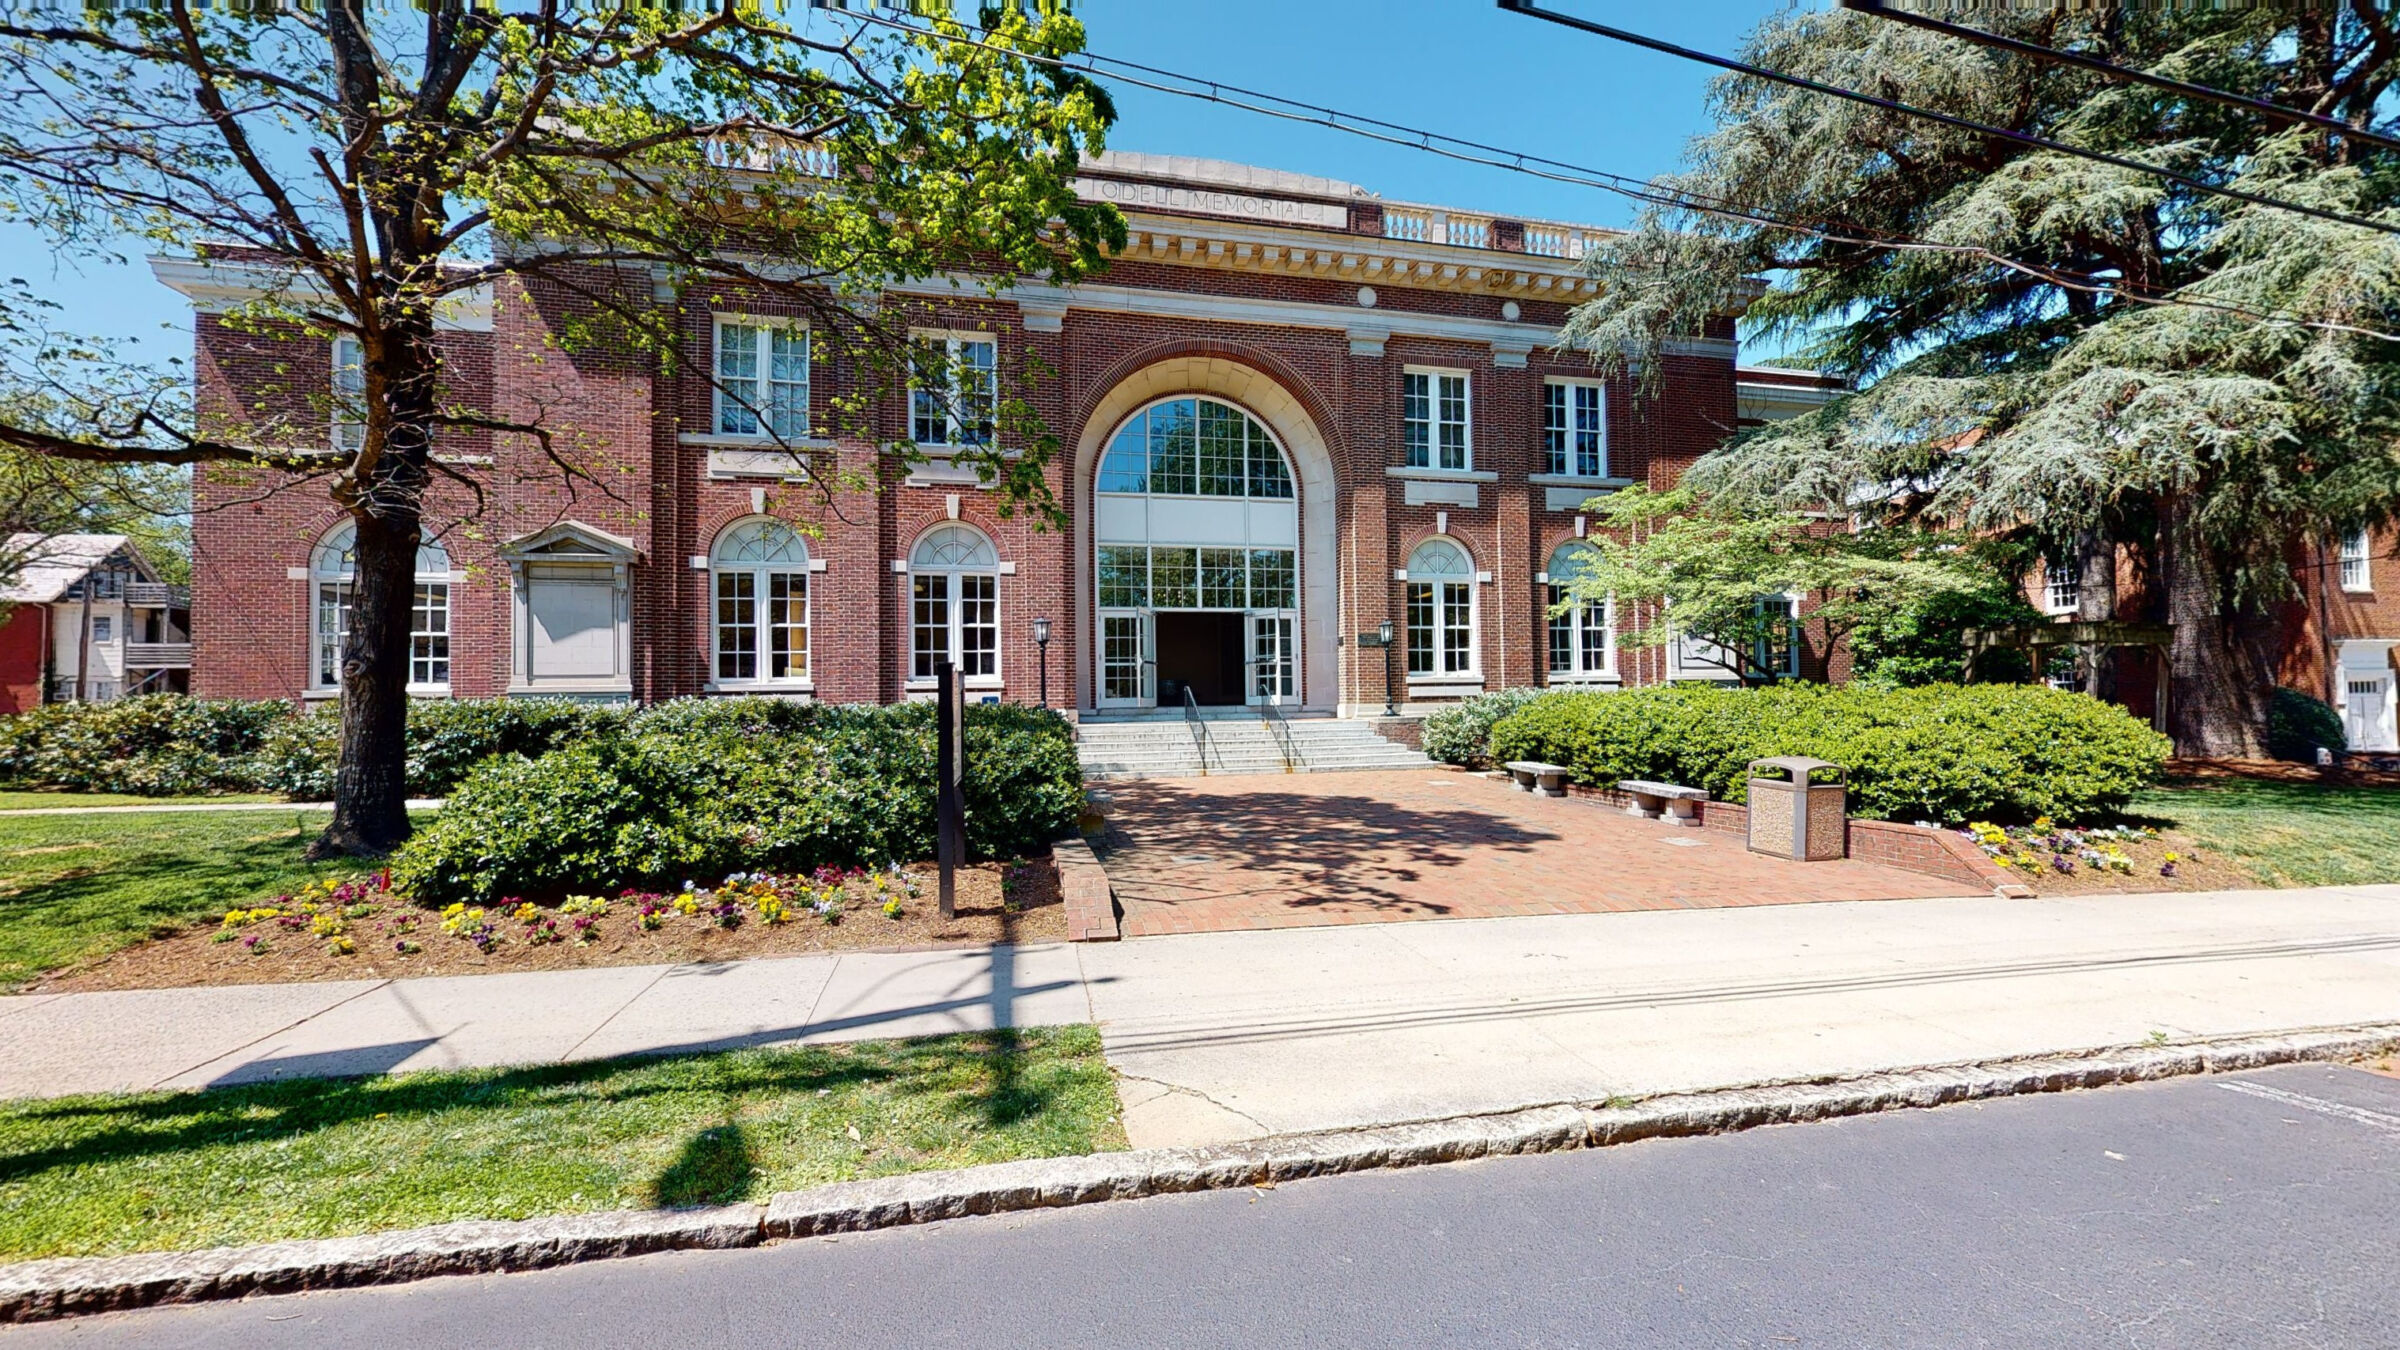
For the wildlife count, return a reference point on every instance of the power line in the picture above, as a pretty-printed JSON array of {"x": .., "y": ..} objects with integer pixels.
[
  {"x": 1528, "y": 8},
  {"x": 2062, "y": 56},
  {"x": 1560, "y": 171}
]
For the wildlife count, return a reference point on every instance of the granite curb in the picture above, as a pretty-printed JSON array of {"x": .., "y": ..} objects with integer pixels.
[{"x": 73, "y": 1286}]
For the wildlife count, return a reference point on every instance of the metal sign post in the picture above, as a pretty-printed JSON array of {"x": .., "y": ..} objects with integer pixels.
[{"x": 949, "y": 806}]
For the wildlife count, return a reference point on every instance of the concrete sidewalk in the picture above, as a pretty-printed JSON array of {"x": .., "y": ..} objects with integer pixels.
[
  {"x": 1228, "y": 1035},
  {"x": 55, "y": 1044},
  {"x": 1231, "y": 1035}
]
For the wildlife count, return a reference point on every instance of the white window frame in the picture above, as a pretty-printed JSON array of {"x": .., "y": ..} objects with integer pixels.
[
  {"x": 104, "y": 628},
  {"x": 762, "y": 576},
  {"x": 1565, "y": 466},
  {"x": 2358, "y": 563},
  {"x": 432, "y": 594},
  {"x": 1797, "y": 634},
  {"x": 1580, "y": 627},
  {"x": 762, "y": 352},
  {"x": 1435, "y": 420},
  {"x": 924, "y": 412},
  {"x": 347, "y": 388},
  {"x": 1442, "y": 626},
  {"x": 953, "y": 622},
  {"x": 2062, "y": 585}
]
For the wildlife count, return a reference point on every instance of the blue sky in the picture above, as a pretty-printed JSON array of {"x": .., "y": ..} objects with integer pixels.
[{"x": 1459, "y": 66}]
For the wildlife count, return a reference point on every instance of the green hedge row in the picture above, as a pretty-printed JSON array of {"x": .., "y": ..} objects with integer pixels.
[
  {"x": 446, "y": 739},
  {"x": 696, "y": 789},
  {"x": 1462, "y": 733},
  {"x": 163, "y": 745},
  {"x": 1936, "y": 752}
]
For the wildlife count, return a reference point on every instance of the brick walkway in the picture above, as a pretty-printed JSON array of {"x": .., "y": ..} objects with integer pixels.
[{"x": 1204, "y": 855}]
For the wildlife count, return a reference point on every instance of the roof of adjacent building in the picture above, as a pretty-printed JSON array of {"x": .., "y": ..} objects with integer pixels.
[
  {"x": 1220, "y": 173},
  {"x": 55, "y": 562}
]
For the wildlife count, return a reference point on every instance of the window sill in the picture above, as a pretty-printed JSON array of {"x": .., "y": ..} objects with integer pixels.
[
  {"x": 2368, "y": 589},
  {"x": 1575, "y": 480},
  {"x": 759, "y": 687},
  {"x": 1561, "y": 680},
  {"x": 1426, "y": 475},
  {"x": 721, "y": 441},
  {"x": 972, "y": 682}
]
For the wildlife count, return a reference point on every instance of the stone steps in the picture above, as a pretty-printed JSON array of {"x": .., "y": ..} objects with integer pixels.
[{"x": 1163, "y": 748}]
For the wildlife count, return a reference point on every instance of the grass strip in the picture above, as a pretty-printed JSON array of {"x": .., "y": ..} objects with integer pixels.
[
  {"x": 73, "y": 888},
  {"x": 27, "y": 801},
  {"x": 2288, "y": 834},
  {"x": 153, "y": 1171}
]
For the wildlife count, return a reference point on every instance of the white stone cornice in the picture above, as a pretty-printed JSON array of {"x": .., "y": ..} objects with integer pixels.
[{"x": 219, "y": 287}]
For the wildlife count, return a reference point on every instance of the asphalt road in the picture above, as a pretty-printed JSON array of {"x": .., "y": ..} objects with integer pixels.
[{"x": 2256, "y": 1211}]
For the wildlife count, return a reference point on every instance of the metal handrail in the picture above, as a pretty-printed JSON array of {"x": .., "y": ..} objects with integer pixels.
[
  {"x": 1200, "y": 737},
  {"x": 1271, "y": 712}
]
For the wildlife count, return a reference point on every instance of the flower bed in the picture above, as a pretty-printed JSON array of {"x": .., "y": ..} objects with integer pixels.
[
  {"x": 2057, "y": 860},
  {"x": 358, "y": 928}
]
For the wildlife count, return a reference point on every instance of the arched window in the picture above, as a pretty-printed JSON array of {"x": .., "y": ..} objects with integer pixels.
[
  {"x": 954, "y": 603},
  {"x": 759, "y": 569},
  {"x": 333, "y": 573},
  {"x": 1440, "y": 592},
  {"x": 1195, "y": 447},
  {"x": 1580, "y": 642}
]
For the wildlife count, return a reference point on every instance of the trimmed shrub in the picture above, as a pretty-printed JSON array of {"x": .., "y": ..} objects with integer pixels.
[
  {"x": 153, "y": 744},
  {"x": 446, "y": 738},
  {"x": 693, "y": 793},
  {"x": 1935, "y": 752},
  {"x": 2297, "y": 726},
  {"x": 1462, "y": 734}
]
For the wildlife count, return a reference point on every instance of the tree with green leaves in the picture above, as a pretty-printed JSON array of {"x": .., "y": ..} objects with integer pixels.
[
  {"x": 1682, "y": 565},
  {"x": 2090, "y": 358},
  {"x": 380, "y": 164}
]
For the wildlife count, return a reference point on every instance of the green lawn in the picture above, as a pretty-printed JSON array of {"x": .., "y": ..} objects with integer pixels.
[
  {"x": 77, "y": 887},
  {"x": 23, "y": 801},
  {"x": 168, "y": 1170},
  {"x": 2288, "y": 834}
]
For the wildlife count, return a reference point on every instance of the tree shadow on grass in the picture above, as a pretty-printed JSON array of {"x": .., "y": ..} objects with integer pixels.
[
  {"x": 714, "y": 1167},
  {"x": 165, "y": 1125}
]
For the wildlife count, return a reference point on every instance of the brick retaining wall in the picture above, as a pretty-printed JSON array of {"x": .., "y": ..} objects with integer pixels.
[
  {"x": 1912, "y": 848},
  {"x": 1091, "y": 905}
]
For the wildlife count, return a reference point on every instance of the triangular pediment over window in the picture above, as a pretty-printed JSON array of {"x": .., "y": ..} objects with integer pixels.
[{"x": 571, "y": 541}]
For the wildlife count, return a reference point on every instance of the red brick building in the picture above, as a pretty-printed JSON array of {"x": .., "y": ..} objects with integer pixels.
[{"x": 1290, "y": 412}]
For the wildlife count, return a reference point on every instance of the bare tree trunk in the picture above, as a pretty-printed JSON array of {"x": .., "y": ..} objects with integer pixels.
[
  {"x": 2220, "y": 667},
  {"x": 370, "y": 785}
]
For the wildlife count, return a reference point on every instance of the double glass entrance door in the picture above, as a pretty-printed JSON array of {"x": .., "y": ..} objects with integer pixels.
[{"x": 1153, "y": 658}]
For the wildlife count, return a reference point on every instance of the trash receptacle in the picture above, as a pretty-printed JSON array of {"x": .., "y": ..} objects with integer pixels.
[{"x": 1794, "y": 816}]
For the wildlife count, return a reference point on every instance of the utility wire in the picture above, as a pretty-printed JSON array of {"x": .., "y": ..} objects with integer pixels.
[
  {"x": 1560, "y": 171},
  {"x": 1531, "y": 10},
  {"x": 2061, "y": 56}
]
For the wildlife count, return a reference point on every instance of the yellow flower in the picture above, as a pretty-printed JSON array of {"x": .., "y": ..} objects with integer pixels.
[
  {"x": 528, "y": 912},
  {"x": 342, "y": 946}
]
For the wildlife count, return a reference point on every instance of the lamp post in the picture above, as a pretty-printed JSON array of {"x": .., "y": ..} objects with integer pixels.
[
  {"x": 1383, "y": 638},
  {"x": 1041, "y": 643}
]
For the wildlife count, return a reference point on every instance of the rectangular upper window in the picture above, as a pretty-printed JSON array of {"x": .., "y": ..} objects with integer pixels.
[
  {"x": 761, "y": 384},
  {"x": 1574, "y": 431},
  {"x": 954, "y": 390},
  {"x": 2358, "y": 563},
  {"x": 349, "y": 395},
  {"x": 1433, "y": 419},
  {"x": 2062, "y": 585}
]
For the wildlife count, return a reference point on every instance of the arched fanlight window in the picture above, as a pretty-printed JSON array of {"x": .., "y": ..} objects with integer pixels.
[
  {"x": 954, "y": 603},
  {"x": 1579, "y": 636},
  {"x": 759, "y": 570},
  {"x": 1440, "y": 605},
  {"x": 1199, "y": 447},
  {"x": 333, "y": 575}
]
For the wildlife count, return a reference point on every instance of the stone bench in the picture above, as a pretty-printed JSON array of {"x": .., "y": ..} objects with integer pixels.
[
  {"x": 1677, "y": 804},
  {"x": 1548, "y": 780}
]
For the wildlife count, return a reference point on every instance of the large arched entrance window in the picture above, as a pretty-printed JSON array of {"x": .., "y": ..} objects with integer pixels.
[
  {"x": 760, "y": 570},
  {"x": 332, "y": 577},
  {"x": 1197, "y": 534}
]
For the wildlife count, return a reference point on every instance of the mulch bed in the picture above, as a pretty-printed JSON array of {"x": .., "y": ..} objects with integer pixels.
[
  {"x": 1032, "y": 911},
  {"x": 2195, "y": 870},
  {"x": 2277, "y": 771}
]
